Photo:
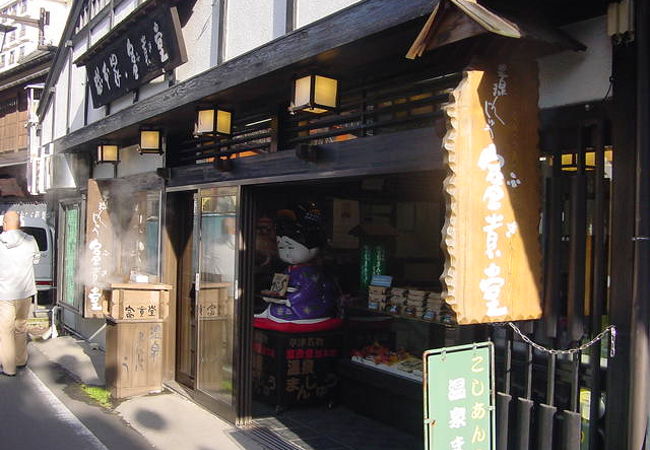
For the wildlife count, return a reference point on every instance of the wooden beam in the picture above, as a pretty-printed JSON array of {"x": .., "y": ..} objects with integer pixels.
[
  {"x": 351, "y": 24},
  {"x": 408, "y": 151}
]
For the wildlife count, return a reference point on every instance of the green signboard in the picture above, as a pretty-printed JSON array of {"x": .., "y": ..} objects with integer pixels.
[{"x": 459, "y": 397}]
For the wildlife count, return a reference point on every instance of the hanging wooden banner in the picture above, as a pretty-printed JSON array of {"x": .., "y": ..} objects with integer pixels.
[
  {"x": 491, "y": 234},
  {"x": 98, "y": 255},
  {"x": 136, "y": 51}
]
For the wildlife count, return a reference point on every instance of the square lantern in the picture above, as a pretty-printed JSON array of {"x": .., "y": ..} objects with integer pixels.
[
  {"x": 314, "y": 93},
  {"x": 213, "y": 121},
  {"x": 108, "y": 153},
  {"x": 150, "y": 141}
]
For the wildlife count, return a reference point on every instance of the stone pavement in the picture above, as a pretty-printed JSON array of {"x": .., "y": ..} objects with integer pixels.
[{"x": 166, "y": 420}]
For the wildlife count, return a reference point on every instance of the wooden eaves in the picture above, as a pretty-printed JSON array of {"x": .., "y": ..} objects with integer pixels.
[
  {"x": 455, "y": 20},
  {"x": 352, "y": 24}
]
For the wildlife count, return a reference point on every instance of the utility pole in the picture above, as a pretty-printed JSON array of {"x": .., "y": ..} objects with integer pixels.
[{"x": 43, "y": 19}]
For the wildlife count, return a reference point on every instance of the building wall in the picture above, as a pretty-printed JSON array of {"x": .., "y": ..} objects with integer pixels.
[
  {"x": 78, "y": 94},
  {"x": 251, "y": 23},
  {"x": 308, "y": 11},
  {"x": 574, "y": 77},
  {"x": 248, "y": 25},
  {"x": 24, "y": 40}
]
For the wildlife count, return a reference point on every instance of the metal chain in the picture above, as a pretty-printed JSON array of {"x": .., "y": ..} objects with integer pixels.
[{"x": 611, "y": 329}]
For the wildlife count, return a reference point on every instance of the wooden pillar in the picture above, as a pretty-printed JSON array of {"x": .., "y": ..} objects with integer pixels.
[{"x": 622, "y": 258}]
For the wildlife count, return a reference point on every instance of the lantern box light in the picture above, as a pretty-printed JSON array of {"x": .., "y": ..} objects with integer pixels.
[
  {"x": 314, "y": 93},
  {"x": 150, "y": 142},
  {"x": 213, "y": 121},
  {"x": 108, "y": 153}
]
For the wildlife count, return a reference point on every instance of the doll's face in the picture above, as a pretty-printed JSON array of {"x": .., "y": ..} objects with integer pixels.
[{"x": 294, "y": 252}]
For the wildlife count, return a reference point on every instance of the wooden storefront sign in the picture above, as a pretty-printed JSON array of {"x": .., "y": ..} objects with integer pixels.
[
  {"x": 135, "y": 54},
  {"x": 98, "y": 257},
  {"x": 491, "y": 234},
  {"x": 459, "y": 406}
]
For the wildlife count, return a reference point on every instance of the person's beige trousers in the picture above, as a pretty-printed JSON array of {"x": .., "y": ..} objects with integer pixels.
[{"x": 13, "y": 333}]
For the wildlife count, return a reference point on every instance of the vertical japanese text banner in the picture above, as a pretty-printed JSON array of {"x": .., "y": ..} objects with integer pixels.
[
  {"x": 97, "y": 259},
  {"x": 491, "y": 233}
]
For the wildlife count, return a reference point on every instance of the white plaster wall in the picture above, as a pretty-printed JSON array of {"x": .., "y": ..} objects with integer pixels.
[
  {"x": 308, "y": 11},
  {"x": 153, "y": 87},
  {"x": 99, "y": 30},
  {"x": 201, "y": 40},
  {"x": 133, "y": 163},
  {"x": 46, "y": 125},
  {"x": 59, "y": 11},
  {"x": 78, "y": 94},
  {"x": 122, "y": 102},
  {"x": 149, "y": 89},
  {"x": 103, "y": 171},
  {"x": 61, "y": 102},
  {"x": 249, "y": 24},
  {"x": 123, "y": 10},
  {"x": 95, "y": 114},
  {"x": 574, "y": 77}
]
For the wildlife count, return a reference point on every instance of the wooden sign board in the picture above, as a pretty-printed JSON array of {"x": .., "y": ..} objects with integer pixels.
[
  {"x": 135, "y": 54},
  {"x": 98, "y": 255},
  {"x": 491, "y": 233},
  {"x": 459, "y": 406}
]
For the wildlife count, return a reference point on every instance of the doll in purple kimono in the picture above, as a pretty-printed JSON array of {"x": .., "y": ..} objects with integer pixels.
[{"x": 308, "y": 303}]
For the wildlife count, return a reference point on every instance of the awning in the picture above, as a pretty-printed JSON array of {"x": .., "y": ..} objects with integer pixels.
[
  {"x": 25, "y": 79},
  {"x": 12, "y": 158},
  {"x": 455, "y": 20}
]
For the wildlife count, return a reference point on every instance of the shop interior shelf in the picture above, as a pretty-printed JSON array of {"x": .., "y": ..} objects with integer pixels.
[
  {"x": 361, "y": 309},
  {"x": 388, "y": 370},
  {"x": 394, "y": 400}
]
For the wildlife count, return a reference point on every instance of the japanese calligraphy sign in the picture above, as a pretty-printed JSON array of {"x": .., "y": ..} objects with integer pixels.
[
  {"x": 459, "y": 406},
  {"x": 134, "y": 54},
  {"x": 491, "y": 233},
  {"x": 290, "y": 369},
  {"x": 98, "y": 255}
]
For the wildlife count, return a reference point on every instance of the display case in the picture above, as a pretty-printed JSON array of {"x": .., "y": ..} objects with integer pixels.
[{"x": 381, "y": 368}]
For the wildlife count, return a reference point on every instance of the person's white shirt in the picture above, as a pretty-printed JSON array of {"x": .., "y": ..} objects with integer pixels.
[{"x": 18, "y": 254}]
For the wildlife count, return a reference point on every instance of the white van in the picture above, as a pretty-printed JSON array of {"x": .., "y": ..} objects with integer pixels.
[{"x": 44, "y": 270}]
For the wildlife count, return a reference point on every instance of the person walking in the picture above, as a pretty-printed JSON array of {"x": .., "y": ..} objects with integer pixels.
[{"x": 18, "y": 254}]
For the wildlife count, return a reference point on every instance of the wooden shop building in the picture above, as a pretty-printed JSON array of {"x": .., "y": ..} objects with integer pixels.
[{"x": 474, "y": 165}]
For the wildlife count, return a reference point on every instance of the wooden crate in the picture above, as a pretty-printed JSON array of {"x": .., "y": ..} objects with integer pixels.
[
  {"x": 215, "y": 300},
  {"x": 139, "y": 301},
  {"x": 134, "y": 357}
]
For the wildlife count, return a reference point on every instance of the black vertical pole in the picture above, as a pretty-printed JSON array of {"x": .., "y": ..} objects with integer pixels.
[
  {"x": 622, "y": 255},
  {"x": 599, "y": 287},
  {"x": 641, "y": 310},
  {"x": 577, "y": 244}
]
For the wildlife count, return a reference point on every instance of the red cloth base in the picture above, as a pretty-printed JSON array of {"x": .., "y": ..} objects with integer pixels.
[{"x": 289, "y": 327}]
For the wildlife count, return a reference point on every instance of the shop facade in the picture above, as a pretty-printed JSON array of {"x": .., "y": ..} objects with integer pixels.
[{"x": 198, "y": 207}]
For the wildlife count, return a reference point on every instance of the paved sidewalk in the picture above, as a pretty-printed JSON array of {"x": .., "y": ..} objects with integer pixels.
[{"x": 166, "y": 420}]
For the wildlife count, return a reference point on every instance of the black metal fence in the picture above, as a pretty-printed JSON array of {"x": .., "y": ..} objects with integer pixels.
[{"x": 549, "y": 399}]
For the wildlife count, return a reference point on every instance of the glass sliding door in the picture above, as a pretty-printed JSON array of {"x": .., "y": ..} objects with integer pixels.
[
  {"x": 69, "y": 249},
  {"x": 216, "y": 290}
]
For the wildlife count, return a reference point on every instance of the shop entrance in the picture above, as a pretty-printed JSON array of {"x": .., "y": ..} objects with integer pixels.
[
  {"x": 362, "y": 381},
  {"x": 206, "y": 245}
]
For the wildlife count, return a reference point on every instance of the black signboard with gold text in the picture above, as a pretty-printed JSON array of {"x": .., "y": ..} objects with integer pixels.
[{"x": 134, "y": 55}]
